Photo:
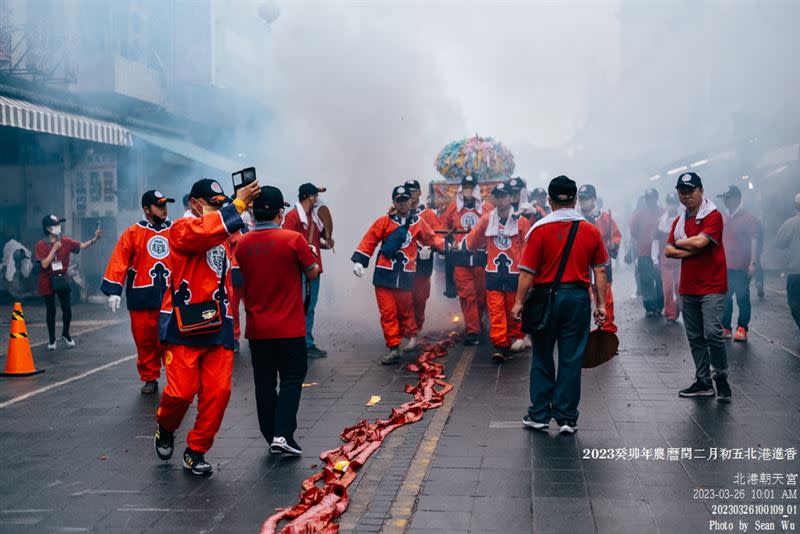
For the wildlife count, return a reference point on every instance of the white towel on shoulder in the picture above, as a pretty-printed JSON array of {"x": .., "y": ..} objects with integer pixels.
[
  {"x": 706, "y": 208},
  {"x": 562, "y": 215}
]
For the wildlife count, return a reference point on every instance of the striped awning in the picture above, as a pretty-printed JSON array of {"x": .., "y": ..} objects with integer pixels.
[{"x": 27, "y": 116}]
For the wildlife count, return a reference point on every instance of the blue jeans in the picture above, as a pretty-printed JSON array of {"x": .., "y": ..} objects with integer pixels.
[
  {"x": 310, "y": 312},
  {"x": 739, "y": 285},
  {"x": 651, "y": 288},
  {"x": 556, "y": 395}
]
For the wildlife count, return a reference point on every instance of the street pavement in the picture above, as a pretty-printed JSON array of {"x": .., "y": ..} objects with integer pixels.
[{"x": 78, "y": 457}]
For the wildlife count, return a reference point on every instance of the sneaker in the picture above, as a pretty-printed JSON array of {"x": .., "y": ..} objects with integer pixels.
[
  {"x": 411, "y": 345},
  {"x": 530, "y": 423},
  {"x": 316, "y": 352},
  {"x": 471, "y": 340},
  {"x": 741, "y": 334},
  {"x": 528, "y": 342},
  {"x": 288, "y": 445},
  {"x": 518, "y": 345},
  {"x": 149, "y": 387},
  {"x": 51, "y": 346},
  {"x": 164, "y": 442},
  {"x": 499, "y": 355},
  {"x": 393, "y": 356},
  {"x": 196, "y": 462},
  {"x": 697, "y": 389},
  {"x": 68, "y": 342},
  {"x": 726, "y": 333},
  {"x": 236, "y": 347},
  {"x": 567, "y": 427},
  {"x": 723, "y": 388},
  {"x": 649, "y": 313}
]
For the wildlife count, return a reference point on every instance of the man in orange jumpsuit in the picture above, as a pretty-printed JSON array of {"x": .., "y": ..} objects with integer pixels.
[
  {"x": 612, "y": 238},
  {"x": 139, "y": 263},
  {"x": 397, "y": 233},
  {"x": 422, "y": 280},
  {"x": 199, "y": 343},
  {"x": 469, "y": 273},
  {"x": 503, "y": 235}
]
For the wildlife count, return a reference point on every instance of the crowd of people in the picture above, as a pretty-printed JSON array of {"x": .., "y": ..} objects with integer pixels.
[{"x": 184, "y": 280}]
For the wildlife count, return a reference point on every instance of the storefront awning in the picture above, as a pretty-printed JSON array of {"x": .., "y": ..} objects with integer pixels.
[
  {"x": 189, "y": 151},
  {"x": 27, "y": 116}
]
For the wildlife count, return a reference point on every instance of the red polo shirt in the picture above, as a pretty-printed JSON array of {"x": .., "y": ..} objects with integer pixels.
[
  {"x": 543, "y": 253},
  {"x": 705, "y": 273},
  {"x": 272, "y": 261},
  {"x": 740, "y": 230},
  {"x": 43, "y": 248}
]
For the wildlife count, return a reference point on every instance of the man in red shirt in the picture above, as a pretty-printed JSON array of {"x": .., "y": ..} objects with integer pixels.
[
  {"x": 612, "y": 238},
  {"x": 556, "y": 396},
  {"x": 140, "y": 263},
  {"x": 502, "y": 234},
  {"x": 276, "y": 321},
  {"x": 305, "y": 219},
  {"x": 696, "y": 240},
  {"x": 52, "y": 253},
  {"x": 741, "y": 255},
  {"x": 644, "y": 230}
]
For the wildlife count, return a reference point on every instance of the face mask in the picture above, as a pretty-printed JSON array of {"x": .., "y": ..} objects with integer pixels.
[
  {"x": 55, "y": 230},
  {"x": 158, "y": 220}
]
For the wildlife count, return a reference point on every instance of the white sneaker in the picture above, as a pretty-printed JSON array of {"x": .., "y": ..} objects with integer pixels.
[
  {"x": 528, "y": 342},
  {"x": 530, "y": 423},
  {"x": 411, "y": 345},
  {"x": 518, "y": 345},
  {"x": 68, "y": 342},
  {"x": 51, "y": 346},
  {"x": 568, "y": 428}
]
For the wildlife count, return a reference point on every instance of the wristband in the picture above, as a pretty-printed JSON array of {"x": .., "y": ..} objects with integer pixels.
[{"x": 241, "y": 207}]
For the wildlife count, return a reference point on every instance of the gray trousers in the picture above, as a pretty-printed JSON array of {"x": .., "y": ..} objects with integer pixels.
[{"x": 702, "y": 317}]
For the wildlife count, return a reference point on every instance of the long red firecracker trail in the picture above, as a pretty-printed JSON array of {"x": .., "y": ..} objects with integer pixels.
[{"x": 319, "y": 504}]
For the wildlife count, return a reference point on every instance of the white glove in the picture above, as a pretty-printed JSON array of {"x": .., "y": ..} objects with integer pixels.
[
  {"x": 114, "y": 302},
  {"x": 525, "y": 208},
  {"x": 425, "y": 252},
  {"x": 359, "y": 270}
]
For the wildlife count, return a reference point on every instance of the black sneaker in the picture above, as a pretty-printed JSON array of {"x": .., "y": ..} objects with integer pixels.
[
  {"x": 196, "y": 462},
  {"x": 567, "y": 427},
  {"x": 315, "y": 352},
  {"x": 164, "y": 442},
  {"x": 471, "y": 340},
  {"x": 530, "y": 423},
  {"x": 288, "y": 445},
  {"x": 723, "y": 388},
  {"x": 698, "y": 389},
  {"x": 149, "y": 387}
]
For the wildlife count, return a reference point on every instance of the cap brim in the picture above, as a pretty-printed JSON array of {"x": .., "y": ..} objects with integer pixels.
[
  {"x": 218, "y": 200},
  {"x": 685, "y": 186},
  {"x": 402, "y": 197},
  {"x": 321, "y": 189}
]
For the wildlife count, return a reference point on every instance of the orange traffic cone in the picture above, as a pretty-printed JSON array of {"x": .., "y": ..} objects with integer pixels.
[{"x": 19, "y": 361}]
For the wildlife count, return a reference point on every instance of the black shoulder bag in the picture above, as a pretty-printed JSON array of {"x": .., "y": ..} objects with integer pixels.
[
  {"x": 538, "y": 307},
  {"x": 201, "y": 318}
]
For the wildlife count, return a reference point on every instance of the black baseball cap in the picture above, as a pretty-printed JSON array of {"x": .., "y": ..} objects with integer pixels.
[
  {"x": 587, "y": 191},
  {"x": 689, "y": 180},
  {"x": 210, "y": 191},
  {"x": 539, "y": 192},
  {"x": 51, "y": 220},
  {"x": 517, "y": 184},
  {"x": 732, "y": 191},
  {"x": 413, "y": 185},
  {"x": 270, "y": 198},
  {"x": 306, "y": 190},
  {"x": 469, "y": 180},
  {"x": 401, "y": 192},
  {"x": 155, "y": 197},
  {"x": 501, "y": 189},
  {"x": 562, "y": 189}
]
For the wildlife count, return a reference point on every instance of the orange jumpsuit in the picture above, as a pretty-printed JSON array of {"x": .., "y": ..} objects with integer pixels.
[
  {"x": 612, "y": 238},
  {"x": 469, "y": 272},
  {"x": 394, "y": 277},
  {"x": 202, "y": 364},
  {"x": 140, "y": 262},
  {"x": 503, "y": 253},
  {"x": 422, "y": 281}
]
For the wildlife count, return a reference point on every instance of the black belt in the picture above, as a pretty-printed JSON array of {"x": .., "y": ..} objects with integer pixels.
[{"x": 575, "y": 285}]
